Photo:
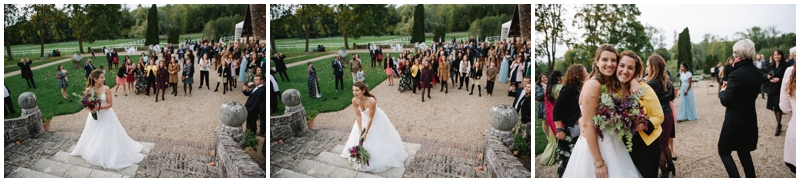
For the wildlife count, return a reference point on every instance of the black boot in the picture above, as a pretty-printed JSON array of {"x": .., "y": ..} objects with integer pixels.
[
  {"x": 217, "y": 89},
  {"x": 479, "y": 90},
  {"x": 225, "y": 88},
  {"x": 473, "y": 89}
]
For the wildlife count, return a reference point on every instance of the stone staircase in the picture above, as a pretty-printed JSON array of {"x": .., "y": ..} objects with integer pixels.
[
  {"x": 64, "y": 165},
  {"x": 329, "y": 164}
]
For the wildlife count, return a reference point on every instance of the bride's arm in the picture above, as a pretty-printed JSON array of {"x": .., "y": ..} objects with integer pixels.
[
  {"x": 358, "y": 113},
  {"x": 371, "y": 113},
  {"x": 590, "y": 98}
]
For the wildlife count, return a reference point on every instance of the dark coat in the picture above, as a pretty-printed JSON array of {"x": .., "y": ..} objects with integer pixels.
[
  {"x": 338, "y": 70},
  {"x": 255, "y": 99},
  {"x": 740, "y": 127},
  {"x": 566, "y": 108},
  {"x": 665, "y": 95},
  {"x": 89, "y": 68},
  {"x": 25, "y": 68},
  {"x": 280, "y": 66}
]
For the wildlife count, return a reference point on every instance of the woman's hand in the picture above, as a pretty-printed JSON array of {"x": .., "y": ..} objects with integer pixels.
[
  {"x": 561, "y": 135},
  {"x": 774, "y": 80},
  {"x": 635, "y": 87},
  {"x": 364, "y": 137},
  {"x": 602, "y": 171}
]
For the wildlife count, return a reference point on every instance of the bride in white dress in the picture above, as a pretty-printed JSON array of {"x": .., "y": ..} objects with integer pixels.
[
  {"x": 104, "y": 142},
  {"x": 381, "y": 140},
  {"x": 592, "y": 156}
]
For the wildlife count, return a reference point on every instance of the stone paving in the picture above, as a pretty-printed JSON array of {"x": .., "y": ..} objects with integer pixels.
[
  {"x": 168, "y": 158},
  {"x": 434, "y": 159}
]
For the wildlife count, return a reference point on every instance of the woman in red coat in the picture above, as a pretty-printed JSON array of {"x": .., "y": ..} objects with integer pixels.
[{"x": 427, "y": 78}]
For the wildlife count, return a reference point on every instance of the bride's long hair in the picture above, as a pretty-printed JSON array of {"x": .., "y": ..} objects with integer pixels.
[
  {"x": 363, "y": 86},
  {"x": 94, "y": 75}
]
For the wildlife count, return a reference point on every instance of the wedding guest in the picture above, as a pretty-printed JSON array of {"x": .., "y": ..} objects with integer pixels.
[
  {"x": 243, "y": 65},
  {"x": 491, "y": 76},
  {"x": 173, "y": 70},
  {"x": 687, "y": 110},
  {"x": 121, "y": 74},
  {"x": 476, "y": 72},
  {"x": 205, "y": 63},
  {"x": 355, "y": 63},
  {"x": 138, "y": 72},
  {"x": 787, "y": 105},
  {"x": 517, "y": 72},
  {"x": 161, "y": 79},
  {"x": 551, "y": 92},
  {"x": 63, "y": 83},
  {"x": 233, "y": 65},
  {"x": 658, "y": 80},
  {"x": 360, "y": 74},
  {"x": 25, "y": 69},
  {"x": 740, "y": 129},
  {"x": 504, "y": 67},
  {"x": 313, "y": 81},
  {"x": 541, "y": 83},
  {"x": 274, "y": 94},
  {"x": 774, "y": 78},
  {"x": 280, "y": 65},
  {"x": 338, "y": 73},
  {"x": 9, "y": 104},
  {"x": 426, "y": 79},
  {"x": 444, "y": 75},
  {"x": 255, "y": 100},
  {"x": 415, "y": 73},
  {"x": 455, "y": 64},
  {"x": 525, "y": 112},
  {"x": 566, "y": 112},
  {"x": 464, "y": 70},
  {"x": 89, "y": 67},
  {"x": 388, "y": 67},
  {"x": 130, "y": 79},
  {"x": 110, "y": 57},
  {"x": 406, "y": 80},
  {"x": 222, "y": 72},
  {"x": 150, "y": 73},
  {"x": 188, "y": 76}
]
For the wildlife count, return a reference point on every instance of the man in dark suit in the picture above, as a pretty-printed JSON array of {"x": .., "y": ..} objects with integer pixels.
[
  {"x": 7, "y": 98},
  {"x": 338, "y": 72},
  {"x": 520, "y": 93},
  {"x": 280, "y": 66},
  {"x": 110, "y": 57},
  {"x": 764, "y": 67},
  {"x": 25, "y": 68},
  {"x": 254, "y": 102},
  {"x": 89, "y": 67},
  {"x": 373, "y": 55},
  {"x": 274, "y": 94},
  {"x": 740, "y": 126}
]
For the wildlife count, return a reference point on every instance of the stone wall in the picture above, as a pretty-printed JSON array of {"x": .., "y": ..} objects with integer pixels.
[
  {"x": 258, "y": 15},
  {"x": 293, "y": 121},
  {"x": 28, "y": 125},
  {"x": 228, "y": 152},
  {"x": 525, "y": 21},
  {"x": 498, "y": 141}
]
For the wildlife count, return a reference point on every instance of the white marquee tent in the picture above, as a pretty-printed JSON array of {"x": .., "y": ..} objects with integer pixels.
[{"x": 503, "y": 33}]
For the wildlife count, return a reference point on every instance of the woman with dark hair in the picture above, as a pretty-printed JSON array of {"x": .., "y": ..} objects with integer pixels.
[
  {"x": 415, "y": 73},
  {"x": 375, "y": 132},
  {"x": 313, "y": 81},
  {"x": 389, "y": 68},
  {"x": 130, "y": 79},
  {"x": 188, "y": 76},
  {"x": 161, "y": 79},
  {"x": 658, "y": 80},
  {"x": 550, "y": 94},
  {"x": 426, "y": 79},
  {"x": 687, "y": 110},
  {"x": 541, "y": 83},
  {"x": 566, "y": 112},
  {"x": 476, "y": 73},
  {"x": 63, "y": 83},
  {"x": 150, "y": 73},
  {"x": 774, "y": 78},
  {"x": 121, "y": 74},
  {"x": 174, "y": 69},
  {"x": 405, "y": 76},
  {"x": 444, "y": 74}
]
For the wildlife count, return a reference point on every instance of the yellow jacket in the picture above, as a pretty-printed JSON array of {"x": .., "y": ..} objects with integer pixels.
[
  {"x": 652, "y": 110},
  {"x": 414, "y": 69}
]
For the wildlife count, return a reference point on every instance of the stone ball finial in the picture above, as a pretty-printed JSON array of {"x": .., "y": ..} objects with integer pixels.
[
  {"x": 27, "y": 100},
  {"x": 77, "y": 57},
  {"x": 232, "y": 113},
  {"x": 291, "y": 97},
  {"x": 343, "y": 53},
  {"x": 503, "y": 117}
]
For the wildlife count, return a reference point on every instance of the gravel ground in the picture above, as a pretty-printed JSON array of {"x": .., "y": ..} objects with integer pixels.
[
  {"x": 170, "y": 118},
  {"x": 696, "y": 142},
  {"x": 454, "y": 117}
]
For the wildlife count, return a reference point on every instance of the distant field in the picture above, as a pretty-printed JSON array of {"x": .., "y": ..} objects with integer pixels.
[
  {"x": 333, "y": 43},
  {"x": 48, "y": 48}
]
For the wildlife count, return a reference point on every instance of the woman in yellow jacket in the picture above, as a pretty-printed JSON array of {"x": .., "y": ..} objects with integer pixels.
[
  {"x": 150, "y": 73},
  {"x": 646, "y": 150},
  {"x": 174, "y": 68},
  {"x": 415, "y": 69}
]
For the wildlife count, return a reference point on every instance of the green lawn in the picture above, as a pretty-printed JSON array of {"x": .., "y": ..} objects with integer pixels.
[
  {"x": 307, "y": 57},
  {"x": 11, "y": 65},
  {"x": 540, "y": 140},
  {"x": 49, "y": 94},
  {"x": 327, "y": 103},
  {"x": 48, "y": 48}
]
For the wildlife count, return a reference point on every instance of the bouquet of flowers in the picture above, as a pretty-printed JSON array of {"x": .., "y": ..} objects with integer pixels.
[
  {"x": 621, "y": 115},
  {"x": 358, "y": 154},
  {"x": 90, "y": 101}
]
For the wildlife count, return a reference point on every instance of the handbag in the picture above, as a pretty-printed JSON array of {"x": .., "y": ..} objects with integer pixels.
[{"x": 575, "y": 130}]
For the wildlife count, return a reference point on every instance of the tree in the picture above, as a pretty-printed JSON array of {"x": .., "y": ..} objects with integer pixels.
[
  {"x": 418, "y": 33},
  {"x": 43, "y": 19},
  {"x": 440, "y": 33},
  {"x": 684, "y": 49},
  {"x": 356, "y": 20},
  {"x": 89, "y": 30},
  {"x": 613, "y": 24},
  {"x": 11, "y": 19},
  {"x": 152, "y": 26},
  {"x": 309, "y": 15},
  {"x": 277, "y": 12},
  {"x": 550, "y": 24},
  {"x": 174, "y": 33}
]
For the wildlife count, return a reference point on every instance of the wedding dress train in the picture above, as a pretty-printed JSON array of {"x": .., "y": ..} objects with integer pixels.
[
  {"x": 383, "y": 143},
  {"x": 105, "y": 143}
]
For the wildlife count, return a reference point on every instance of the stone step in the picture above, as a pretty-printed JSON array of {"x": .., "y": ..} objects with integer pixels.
[
  {"x": 323, "y": 170},
  {"x": 66, "y": 170},
  {"x": 411, "y": 149},
  {"x": 285, "y": 173},
  {"x": 338, "y": 161},
  {"x": 27, "y": 173},
  {"x": 146, "y": 147},
  {"x": 65, "y": 158}
]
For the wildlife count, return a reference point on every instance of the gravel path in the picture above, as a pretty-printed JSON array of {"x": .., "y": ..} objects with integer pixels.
[
  {"x": 696, "y": 142},
  {"x": 454, "y": 117},
  {"x": 334, "y": 55}
]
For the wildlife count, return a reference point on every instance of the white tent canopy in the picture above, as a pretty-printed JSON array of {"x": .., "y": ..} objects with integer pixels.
[
  {"x": 239, "y": 30},
  {"x": 503, "y": 33}
]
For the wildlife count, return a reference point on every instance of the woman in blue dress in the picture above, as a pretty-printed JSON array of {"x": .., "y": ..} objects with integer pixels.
[
  {"x": 313, "y": 85},
  {"x": 503, "y": 78},
  {"x": 243, "y": 67},
  {"x": 687, "y": 110}
]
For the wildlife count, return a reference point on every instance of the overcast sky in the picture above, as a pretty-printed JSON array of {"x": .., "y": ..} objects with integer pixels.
[{"x": 720, "y": 20}]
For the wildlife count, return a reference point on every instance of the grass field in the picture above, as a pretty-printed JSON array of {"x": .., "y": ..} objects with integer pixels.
[
  {"x": 48, "y": 48},
  {"x": 331, "y": 100},
  {"x": 48, "y": 92},
  {"x": 11, "y": 65},
  {"x": 339, "y": 41}
]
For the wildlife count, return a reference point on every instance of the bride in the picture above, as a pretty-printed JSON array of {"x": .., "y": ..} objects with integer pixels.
[
  {"x": 104, "y": 142},
  {"x": 593, "y": 156},
  {"x": 381, "y": 139}
]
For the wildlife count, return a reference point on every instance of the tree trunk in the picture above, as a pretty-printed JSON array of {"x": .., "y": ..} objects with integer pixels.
[
  {"x": 345, "y": 40},
  {"x": 41, "y": 43},
  {"x": 272, "y": 42},
  {"x": 8, "y": 51},
  {"x": 80, "y": 43},
  {"x": 307, "y": 35}
]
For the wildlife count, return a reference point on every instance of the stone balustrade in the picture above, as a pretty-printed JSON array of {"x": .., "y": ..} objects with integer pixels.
[
  {"x": 293, "y": 121},
  {"x": 28, "y": 125},
  {"x": 229, "y": 155},
  {"x": 498, "y": 141}
]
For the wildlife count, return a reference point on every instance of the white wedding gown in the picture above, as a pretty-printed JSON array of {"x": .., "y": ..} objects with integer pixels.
[
  {"x": 383, "y": 143},
  {"x": 615, "y": 155},
  {"x": 105, "y": 143}
]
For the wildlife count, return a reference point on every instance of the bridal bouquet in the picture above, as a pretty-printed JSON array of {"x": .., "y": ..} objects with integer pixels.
[
  {"x": 90, "y": 101},
  {"x": 358, "y": 154},
  {"x": 620, "y": 114}
]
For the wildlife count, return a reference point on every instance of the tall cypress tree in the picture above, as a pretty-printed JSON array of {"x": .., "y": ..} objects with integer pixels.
[
  {"x": 418, "y": 32},
  {"x": 151, "y": 37},
  {"x": 684, "y": 49}
]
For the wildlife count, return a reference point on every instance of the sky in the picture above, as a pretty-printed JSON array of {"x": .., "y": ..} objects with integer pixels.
[{"x": 720, "y": 20}]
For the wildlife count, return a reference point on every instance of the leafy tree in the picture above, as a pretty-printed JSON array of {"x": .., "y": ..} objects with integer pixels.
[
  {"x": 222, "y": 26},
  {"x": 152, "y": 26},
  {"x": 614, "y": 24},
  {"x": 279, "y": 14},
  {"x": 309, "y": 15},
  {"x": 684, "y": 49},
  {"x": 418, "y": 33},
  {"x": 550, "y": 23},
  {"x": 440, "y": 33},
  {"x": 356, "y": 20},
  {"x": 43, "y": 19},
  {"x": 488, "y": 26},
  {"x": 89, "y": 30},
  {"x": 174, "y": 33},
  {"x": 11, "y": 20}
]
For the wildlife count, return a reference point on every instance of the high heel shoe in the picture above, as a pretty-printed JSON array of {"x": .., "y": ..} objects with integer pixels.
[
  {"x": 778, "y": 130},
  {"x": 672, "y": 169}
]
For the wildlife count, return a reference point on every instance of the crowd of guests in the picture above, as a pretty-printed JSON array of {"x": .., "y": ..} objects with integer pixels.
[{"x": 558, "y": 104}]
